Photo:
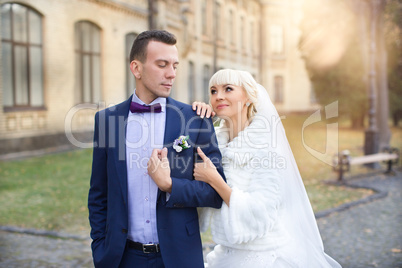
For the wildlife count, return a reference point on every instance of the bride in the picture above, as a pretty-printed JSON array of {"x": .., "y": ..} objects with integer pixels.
[{"x": 266, "y": 219}]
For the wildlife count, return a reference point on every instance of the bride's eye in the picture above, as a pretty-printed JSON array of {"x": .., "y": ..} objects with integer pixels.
[
  {"x": 213, "y": 91},
  {"x": 229, "y": 89}
]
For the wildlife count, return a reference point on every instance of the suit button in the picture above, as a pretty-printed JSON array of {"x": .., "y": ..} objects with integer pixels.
[{"x": 124, "y": 231}]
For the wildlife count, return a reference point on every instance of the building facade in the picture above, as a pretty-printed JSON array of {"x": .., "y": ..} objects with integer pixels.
[{"x": 63, "y": 60}]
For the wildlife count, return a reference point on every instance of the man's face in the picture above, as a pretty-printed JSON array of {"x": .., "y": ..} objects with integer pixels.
[{"x": 156, "y": 75}]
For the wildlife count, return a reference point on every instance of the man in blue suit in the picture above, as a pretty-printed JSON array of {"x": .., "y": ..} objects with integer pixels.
[{"x": 143, "y": 198}]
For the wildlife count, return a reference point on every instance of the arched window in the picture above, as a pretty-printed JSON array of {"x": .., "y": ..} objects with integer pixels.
[
  {"x": 278, "y": 87},
  {"x": 206, "y": 77},
  {"x": 22, "y": 56},
  {"x": 276, "y": 39},
  {"x": 88, "y": 62},
  {"x": 130, "y": 79},
  {"x": 191, "y": 81}
]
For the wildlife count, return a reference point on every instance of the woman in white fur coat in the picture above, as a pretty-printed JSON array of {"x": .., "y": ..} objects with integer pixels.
[{"x": 266, "y": 219}]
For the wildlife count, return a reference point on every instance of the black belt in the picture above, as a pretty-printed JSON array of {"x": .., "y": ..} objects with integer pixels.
[{"x": 146, "y": 248}]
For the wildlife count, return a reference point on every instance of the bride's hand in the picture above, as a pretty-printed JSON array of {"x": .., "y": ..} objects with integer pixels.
[
  {"x": 203, "y": 109},
  {"x": 204, "y": 171}
]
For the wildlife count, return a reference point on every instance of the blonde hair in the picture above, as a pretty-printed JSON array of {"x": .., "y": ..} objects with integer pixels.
[{"x": 238, "y": 78}]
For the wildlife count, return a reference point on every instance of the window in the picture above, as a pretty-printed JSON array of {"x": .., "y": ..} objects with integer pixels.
[
  {"x": 22, "y": 56},
  {"x": 278, "y": 86},
  {"x": 191, "y": 82},
  {"x": 130, "y": 79},
  {"x": 217, "y": 26},
  {"x": 251, "y": 38},
  {"x": 230, "y": 27},
  {"x": 88, "y": 62},
  {"x": 276, "y": 39},
  {"x": 204, "y": 17},
  {"x": 242, "y": 32},
  {"x": 205, "y": 82}
]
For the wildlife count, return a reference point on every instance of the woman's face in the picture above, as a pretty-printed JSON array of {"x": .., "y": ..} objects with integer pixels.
[{"x": 228, "y": 100}]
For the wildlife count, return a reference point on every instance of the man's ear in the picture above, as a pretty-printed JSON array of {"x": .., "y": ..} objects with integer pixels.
[{"x": 136, "y": 67}]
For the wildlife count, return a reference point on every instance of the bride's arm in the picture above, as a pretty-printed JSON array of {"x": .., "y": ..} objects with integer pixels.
[
  {"x": 220, "y": 186},
  {"x": 254, "y": 210},
  {"x": 206, "y": 172}
]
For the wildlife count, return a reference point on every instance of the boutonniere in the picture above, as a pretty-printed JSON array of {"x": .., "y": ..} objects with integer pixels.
[{"x": 181, "y": 143}]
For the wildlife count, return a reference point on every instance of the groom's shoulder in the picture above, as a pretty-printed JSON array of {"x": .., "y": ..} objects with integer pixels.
[
  {"x": 181, "y": 105},
  {"x": 112, "y": 109},
  {"x": 191, "y": 115}
]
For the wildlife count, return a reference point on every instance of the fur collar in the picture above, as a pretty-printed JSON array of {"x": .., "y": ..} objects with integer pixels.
[{"x": 247, "y": 144}]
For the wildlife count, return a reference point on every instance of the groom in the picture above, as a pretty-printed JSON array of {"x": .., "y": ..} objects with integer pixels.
[{"x": 143, "y": 198}]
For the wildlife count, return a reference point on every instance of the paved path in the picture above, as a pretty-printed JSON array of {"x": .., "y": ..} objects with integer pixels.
[
  {"x": 365, "y": 235},
  {"x": 24, "y": 250},
  {"x": 368, "y": 235}
]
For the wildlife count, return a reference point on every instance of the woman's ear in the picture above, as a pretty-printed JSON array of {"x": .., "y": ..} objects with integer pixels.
[{"x": 135, "y": 67}]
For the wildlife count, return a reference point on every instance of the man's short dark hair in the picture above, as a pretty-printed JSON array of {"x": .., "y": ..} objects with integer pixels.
[{"x": 139, "y": 48}]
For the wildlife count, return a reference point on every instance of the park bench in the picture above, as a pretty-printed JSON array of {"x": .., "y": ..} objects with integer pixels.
[{"x": 343, "y": 161}]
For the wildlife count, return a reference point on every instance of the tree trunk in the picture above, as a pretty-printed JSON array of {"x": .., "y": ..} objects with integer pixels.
[
  {"x": 384, "y": 133},
  {"x": 357, "y": 122}
]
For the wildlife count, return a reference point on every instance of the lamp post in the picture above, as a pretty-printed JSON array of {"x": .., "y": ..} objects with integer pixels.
[{"x": 371, "y": 141}]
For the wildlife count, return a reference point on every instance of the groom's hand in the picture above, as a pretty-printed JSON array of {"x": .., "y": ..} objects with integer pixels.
[{"x": 159, "y": 169}]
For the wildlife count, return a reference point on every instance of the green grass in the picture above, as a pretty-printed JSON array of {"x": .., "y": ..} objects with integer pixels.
[{"x": 50, "y": 192}]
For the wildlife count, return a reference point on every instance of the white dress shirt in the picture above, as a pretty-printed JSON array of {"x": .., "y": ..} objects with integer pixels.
[{"x": 145, "y": 132}]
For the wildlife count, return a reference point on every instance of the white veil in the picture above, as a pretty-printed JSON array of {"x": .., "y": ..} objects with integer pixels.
[{"x": 299, "y": 217}]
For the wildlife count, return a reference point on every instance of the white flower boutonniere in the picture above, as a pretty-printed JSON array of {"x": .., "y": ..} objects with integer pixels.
[{"x": 181, "y": 143}]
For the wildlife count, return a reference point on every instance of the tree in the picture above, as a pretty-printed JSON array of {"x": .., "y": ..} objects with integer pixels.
[
  {"x": 393, "y": 39},
  {"x": 344, "y": 82},
  {"x": 332, "y": 45},
  {"x": 340, "y": 29}
]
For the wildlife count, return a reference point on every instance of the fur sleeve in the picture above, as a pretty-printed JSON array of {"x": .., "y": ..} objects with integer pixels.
[{"x": 253, "y": 211}]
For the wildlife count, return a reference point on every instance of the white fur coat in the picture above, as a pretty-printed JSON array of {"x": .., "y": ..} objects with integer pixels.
[{"x": 252, "y": 221}]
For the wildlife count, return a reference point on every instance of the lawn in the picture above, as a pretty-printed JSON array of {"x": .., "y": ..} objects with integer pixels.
[{"x": 50, "y": 192}]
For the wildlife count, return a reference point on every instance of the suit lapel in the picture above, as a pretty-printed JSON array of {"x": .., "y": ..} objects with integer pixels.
[
  {"x": 174, "y": 127},
  {"x": 175, "y": 122},
  {"x": 120, "y": 125}
]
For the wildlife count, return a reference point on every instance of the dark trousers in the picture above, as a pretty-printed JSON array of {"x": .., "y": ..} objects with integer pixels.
[{"x": 133, "y": 258}]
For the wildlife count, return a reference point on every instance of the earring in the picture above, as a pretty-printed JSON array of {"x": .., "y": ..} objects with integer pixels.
[{"x": 248, "y": 104}]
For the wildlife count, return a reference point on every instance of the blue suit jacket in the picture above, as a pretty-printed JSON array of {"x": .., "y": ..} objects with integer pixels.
[{"x": 177, "y": 219}]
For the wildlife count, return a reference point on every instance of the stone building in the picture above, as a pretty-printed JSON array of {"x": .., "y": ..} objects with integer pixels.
[{"x": 63, "y": 60}]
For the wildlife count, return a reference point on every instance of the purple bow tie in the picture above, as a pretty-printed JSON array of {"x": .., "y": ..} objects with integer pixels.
[{"x": 140, "y": 108}]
